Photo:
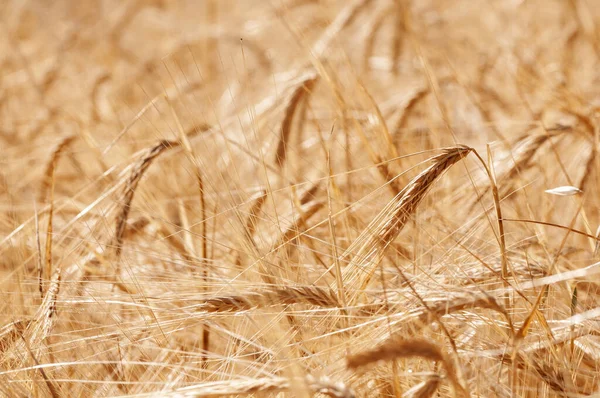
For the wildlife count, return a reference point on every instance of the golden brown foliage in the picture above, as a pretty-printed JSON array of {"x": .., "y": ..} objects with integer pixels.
[{"x": 299, "y": 197}]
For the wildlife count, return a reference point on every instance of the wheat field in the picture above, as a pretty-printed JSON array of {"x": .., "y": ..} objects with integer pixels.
[{"x": 366, "y": 198}]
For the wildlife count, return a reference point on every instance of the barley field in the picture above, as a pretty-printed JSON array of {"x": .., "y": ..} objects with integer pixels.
[{"x": 298, "y": 198}]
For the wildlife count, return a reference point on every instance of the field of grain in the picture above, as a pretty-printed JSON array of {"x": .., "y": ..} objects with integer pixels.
[{"x": 343, "y": 198}]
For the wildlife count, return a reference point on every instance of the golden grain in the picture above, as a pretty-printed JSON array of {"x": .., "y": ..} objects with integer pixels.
[{"x": 245, "y": 198}]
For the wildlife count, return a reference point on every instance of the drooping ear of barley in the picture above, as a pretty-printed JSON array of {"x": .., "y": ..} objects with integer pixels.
[
  {"x": 131, "y": 184},
  {"x": 368, "y": 249},
  {"x": 301, "y": 93},
  {"x": 395, "y": 347},
  {"x": 136, "y": 175},
  {"x": 426, "y": 389},
  {"x": 51, "y": 166},
  {"x": 47, "y": 193}
]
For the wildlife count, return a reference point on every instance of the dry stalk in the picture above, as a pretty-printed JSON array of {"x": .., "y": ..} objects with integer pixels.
[
  {"x": 545, "y": 347},
  {"x": 332, "y": 189},
  {"x": 40, "y": 266},
  {"x": 200, "y": 182},
  {"x": 491, "y": 174},
  {"x": 597, "y": 242},
  {"x": 382, "y": 166},
  {"x": 387, "y": 175},
  {"x": 49, "y": 235},
  {"x": 524, "y": 329},
  {"x": 369, "y": 248}
]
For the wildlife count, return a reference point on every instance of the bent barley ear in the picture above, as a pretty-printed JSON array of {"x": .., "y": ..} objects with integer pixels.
[
  {"x": 368, "y": 250},
  {"x": 301, "y": 93}
]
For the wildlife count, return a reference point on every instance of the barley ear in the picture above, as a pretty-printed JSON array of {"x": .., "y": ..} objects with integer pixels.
[{"x": 370, "y": 246}]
